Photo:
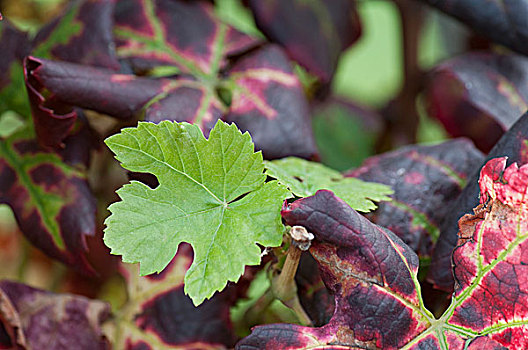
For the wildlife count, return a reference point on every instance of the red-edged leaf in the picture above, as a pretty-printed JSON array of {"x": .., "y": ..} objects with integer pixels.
[
  {"x": 51, "y": 200},
  {"x": 514, "y": 145},
  {"x": 345, "y": 133},
  {"x": 164, "y": 317},
  {"x": 185, "y": 34},
  {"x": 36, "y": 319},
  {"x": 119, "y": 95},
  {"x": 371, "y": 272},
  {"x": 14, "y": 46},
  {"x": 372, "y": 275},
  {"x": 313, "y": 33},
  {"x": 83, "y": 35},
  {"x": 491, "y": 289},
  {"x": 503, "y": 21},
  {"x": 479, "y": 95},
  {"x": 426, "y": 181},
  {"x": 268, "y": 101}
]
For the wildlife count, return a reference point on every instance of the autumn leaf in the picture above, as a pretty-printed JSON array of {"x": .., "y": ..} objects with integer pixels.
[{"x": 372, "y": 274}]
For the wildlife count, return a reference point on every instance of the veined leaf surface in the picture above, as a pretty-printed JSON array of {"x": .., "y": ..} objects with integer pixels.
[
  {"x": 211, "y": 194},
  {"x": 304, "y": 178},
  {"x": 373, "y": 276}
]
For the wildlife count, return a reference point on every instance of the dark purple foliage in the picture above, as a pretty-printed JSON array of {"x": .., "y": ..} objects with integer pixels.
[
  {"x": 503, "y": 21},
  {"x": 44, "y": 320},
  {"x": 292, "y": 24},
  {"x": 163, "y": 311},
  {"x": 479, "y": 95},
  {"x": 54, "y": 207},
  {"x": 426, "y": 181}
]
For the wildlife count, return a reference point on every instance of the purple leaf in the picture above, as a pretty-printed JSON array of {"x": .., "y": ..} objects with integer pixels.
[
  {"x": 268, "y": 101},
  {"x": 43, "y": 320},
  {"x": 119, "y": 95},
  {"x": 313, "y": 33},
  {"x": 373, "y": 277},
  {"x": 51, "y": 200},
  {"x": 83, "y": 35},
  {"x": 164, "y": 317},
  {"x": 502, "y": 21},
  {"x": 514, "y": 145},
  {"x": 479, "y": 95},
  {"x": 426, "y": 181},
  {"x": 259, "y": 92},
  {"x": 185, "y": 34},
  {"x": 371, "y": 273}
]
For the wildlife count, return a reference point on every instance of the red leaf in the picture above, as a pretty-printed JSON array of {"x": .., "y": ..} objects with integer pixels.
[
  {"x": 83, "y": 35},
  {"x": 513, "y": 144},
  {"x": 192, "y": 38},
  {"x": 269, "y": 102},
  {"x": 52, "y": 202},
  {"x": 87, "y": 26}
]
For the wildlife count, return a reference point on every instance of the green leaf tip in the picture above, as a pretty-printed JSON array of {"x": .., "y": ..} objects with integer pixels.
[
  {"x": 304, "y": 178},
  {"x": 212, "y": 194}
]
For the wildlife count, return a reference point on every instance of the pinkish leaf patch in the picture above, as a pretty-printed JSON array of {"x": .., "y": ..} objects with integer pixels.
[{"x": 512, "y": 144}]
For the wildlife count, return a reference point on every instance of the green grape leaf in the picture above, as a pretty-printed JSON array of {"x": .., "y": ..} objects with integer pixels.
[
  {"x": 212, "y": 194},
  {"x": 304, "y": 178}
]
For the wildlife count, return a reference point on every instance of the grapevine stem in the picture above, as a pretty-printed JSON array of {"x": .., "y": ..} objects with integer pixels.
[{"x": 284, "y": 287}]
